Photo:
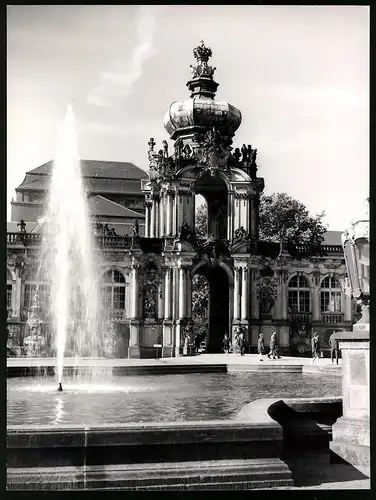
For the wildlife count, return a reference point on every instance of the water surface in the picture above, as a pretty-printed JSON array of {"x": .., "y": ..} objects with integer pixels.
[{"x": 161, "y": 398}]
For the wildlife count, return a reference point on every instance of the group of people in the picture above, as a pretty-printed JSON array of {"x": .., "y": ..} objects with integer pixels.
[
  {"x": 242, "y": 344},
  {"x": 273, "y": 347},
  {"x": 241, "y": 341}
]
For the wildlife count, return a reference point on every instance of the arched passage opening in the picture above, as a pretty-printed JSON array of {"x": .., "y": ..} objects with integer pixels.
[
  {"x": 214, "y": 190},
  {"x": 218, "y": 305}
]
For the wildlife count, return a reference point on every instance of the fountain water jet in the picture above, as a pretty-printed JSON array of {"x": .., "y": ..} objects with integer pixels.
[{"x": 68, "y": 252}]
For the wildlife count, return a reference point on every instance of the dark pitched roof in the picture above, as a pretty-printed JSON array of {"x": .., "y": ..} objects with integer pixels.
[
  {"x": 100, "y": 206},
  {"x": 39, "y": 182},
  {"x": 332, "y": 238},
  {"x": 97, "y": 168}
]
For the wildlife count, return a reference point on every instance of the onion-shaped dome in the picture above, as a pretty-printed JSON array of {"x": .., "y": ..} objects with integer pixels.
[{"x": 202, "y": 111}]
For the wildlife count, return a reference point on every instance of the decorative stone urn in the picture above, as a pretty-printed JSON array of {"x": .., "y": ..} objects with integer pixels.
[{"x": 351, "y": 432}]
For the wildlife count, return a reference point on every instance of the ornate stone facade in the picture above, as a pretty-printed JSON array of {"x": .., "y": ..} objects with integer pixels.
[{"x": 254, "y": 285}]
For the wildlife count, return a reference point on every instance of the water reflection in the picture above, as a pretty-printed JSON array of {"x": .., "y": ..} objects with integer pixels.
[
  {"x": 59, "y": 409},
  {"x": 154, "y": 398}
]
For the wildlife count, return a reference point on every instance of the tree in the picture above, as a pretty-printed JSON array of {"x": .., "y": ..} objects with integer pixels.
[
  {"x": 283, "y": 218},
  {"x": 200, "y": 305},
  {"x": 201, "y": 221}
]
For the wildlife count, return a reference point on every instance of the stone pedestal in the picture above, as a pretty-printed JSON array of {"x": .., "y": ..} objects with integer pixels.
[
  {"x": 134, "y": 336},
  {"x": 351, "y": 432}
]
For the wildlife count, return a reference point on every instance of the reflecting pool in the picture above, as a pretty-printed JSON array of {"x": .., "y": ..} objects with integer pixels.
[{"x": 118, "y": 399}]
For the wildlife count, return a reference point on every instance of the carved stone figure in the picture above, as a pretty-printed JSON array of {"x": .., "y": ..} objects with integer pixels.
[
  {"x": 244, "y": 153},
  {"x": 187, "y": 151},
  {"x": 236, "y": 154},
  {"x": 202, "y": 54},
  {"x": 213, "y": 150},
  {"x": 185, "y": 232},
  {"x": 150, "y": 302},
  {"x": 22, "y": 226},
  {"x": 249, "y": 151},
  {"x": 240, "y": 235},
  {"x": 253, "y": 171},
  {"x": 188, "y": 331},
  {"x": 165, "y": 149},
  {"x": 151, "y": 144},
  {"x": 266, "y": 299},
  {"x": 254, "y": 156},
  {"x": 136, "y": 228}
]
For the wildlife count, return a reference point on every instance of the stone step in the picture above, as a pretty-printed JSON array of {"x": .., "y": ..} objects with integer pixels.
[{"x": 215, "y": 474}]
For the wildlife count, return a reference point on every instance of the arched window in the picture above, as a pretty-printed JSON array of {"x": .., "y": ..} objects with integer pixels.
[
  {"x": 34, "y": 283},
  {"x": 330, "y": 295},
  {"x": 299, "y": 295},
  {"x": 113, "y": 290},
  {"x": 9, "y": 289}
]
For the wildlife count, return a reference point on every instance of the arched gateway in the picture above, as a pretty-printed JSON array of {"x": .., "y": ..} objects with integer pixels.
[{"x": 203, "y": 162}]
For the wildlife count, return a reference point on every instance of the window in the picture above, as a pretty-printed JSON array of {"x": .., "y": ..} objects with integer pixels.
[
  {"x": 9, "y": 290},
  {"x": 113, "y": 290},
  {"x": 9, "y": 297},
  {"x": 330, "y": 295},
  {"x": 36, "y": 196},
  {"x": 299, "y": 300},
  {"x": 43, "y": 291}
]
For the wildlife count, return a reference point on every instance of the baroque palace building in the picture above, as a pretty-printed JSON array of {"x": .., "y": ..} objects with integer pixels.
[{"x": 146, "y": 274}]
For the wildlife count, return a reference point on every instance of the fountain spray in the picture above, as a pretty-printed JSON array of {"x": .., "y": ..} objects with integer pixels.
[{"x": 68, "y": 251}]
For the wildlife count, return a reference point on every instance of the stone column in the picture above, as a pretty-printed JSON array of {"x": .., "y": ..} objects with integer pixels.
[
  {"x": 189, "y": 293},
  {"x": 244, "y": 300},
  {"x": 175, "y": 208},
  {"x": 347, "y": 307},
  {"x": 157, "y": 218},
  {"x": 239, "y": 210},
  {"x": 168, "y": 297},
  {"x": 134, "y": 324},
  {"x": 152, "y": 220},
  {"x": 235, "y": 215},
  {"x": 284, "y": 278},
  {"x": 17, "y": 295},
  {"x": 179, "y": 210},
  {"x": 135, "y": 290},
  {"x": 167, "y": 350},
  {"x": 254, "y": 313},
  {"x": 147, "y": 219},
  {"x": 162, "y": 213},
  {"x": 316, "y": 315},
  {"x": 174, "y": 293},
  {"x": 236, "y": 292},
  {"x": 245, "y": 220},
  {"x": 182, "y": 293},
  {"x": 161, "y": 301},
  {"x": 351, "y": 432},
  {"x": 168, "y": 215},
  {"x": 230, "y": 215},
  {"x": 252, "y": 218}
]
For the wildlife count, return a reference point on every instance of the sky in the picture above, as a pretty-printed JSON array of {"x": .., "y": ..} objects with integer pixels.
[{"x": 299, "y": 75}]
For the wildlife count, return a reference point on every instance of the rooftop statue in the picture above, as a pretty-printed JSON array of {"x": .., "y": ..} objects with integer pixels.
[{"x": 202, "y": 55}]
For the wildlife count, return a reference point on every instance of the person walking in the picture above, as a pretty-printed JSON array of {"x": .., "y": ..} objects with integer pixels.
[
  {"x": 226, "y": 344},
  {"x": 261, "y": 346},
  {"x": 242, "y": 343},
  {"x": 334, "y": 347},
  {"x": 272, "y": 345},
  {"x": 315, "y": 347}
]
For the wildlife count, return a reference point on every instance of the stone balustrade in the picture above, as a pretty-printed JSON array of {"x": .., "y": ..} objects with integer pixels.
[{"x": 332, "y": 318}]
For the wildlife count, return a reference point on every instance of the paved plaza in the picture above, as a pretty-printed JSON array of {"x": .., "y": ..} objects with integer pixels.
[{"x": 206, "y": 359}]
